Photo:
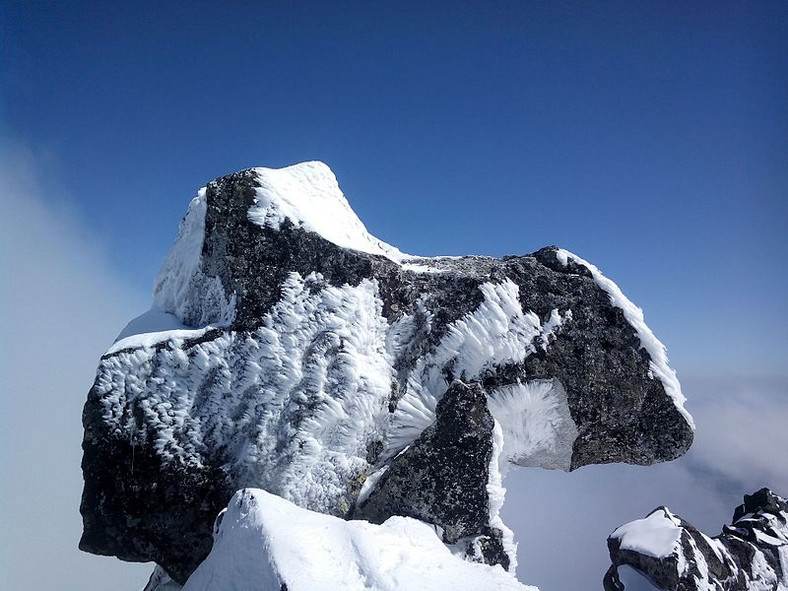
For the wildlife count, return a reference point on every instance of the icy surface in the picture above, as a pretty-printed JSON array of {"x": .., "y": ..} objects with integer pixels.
[
  {"x": 264, "y": 542},
  {"x": 308, "y": 195},
  {"x": 370, "y": 483},
  {"x": 161, "y": 581},
  {"x": 296, "y": 403},
  {"x": 151, "y": 328},
  {"x": 784, "y": 567},
  {"x": 152, "y": 321},
  {"x": 536, "y": 423},
  {"x": 182, "y": 263},
  {"x": 657, "y": 535},
  {"x": 497, "y": 332},
  {"x": 634, "y": 315},
  {"x": 497, "y": 495}
]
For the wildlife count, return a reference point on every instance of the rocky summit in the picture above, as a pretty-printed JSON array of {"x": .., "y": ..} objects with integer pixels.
[
  {"x": 289, "y": 350},
  {"x": 751, "y": 554}
]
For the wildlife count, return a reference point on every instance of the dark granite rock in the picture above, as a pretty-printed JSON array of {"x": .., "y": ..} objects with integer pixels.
[
  {"x": 745, "y": 556},
  {"x": 187, "y": 411},
  {"x": 142, "y": 510},
  {"x": 597, "y": 356},
  {"x": 442, "y": 477}
]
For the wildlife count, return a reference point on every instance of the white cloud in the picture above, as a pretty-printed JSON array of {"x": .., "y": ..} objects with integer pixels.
[
  {"x": 61, "y": 307},
  {"x": 743, "y": 436}
]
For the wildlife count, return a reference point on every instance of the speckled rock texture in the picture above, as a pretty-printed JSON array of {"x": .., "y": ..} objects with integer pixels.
[
  {"x": 750, "y": 554},
  {"x": 442, "y": 477},
  {"x": 306, "y": 391}
]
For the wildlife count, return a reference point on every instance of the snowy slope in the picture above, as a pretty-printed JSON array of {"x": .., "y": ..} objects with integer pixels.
[
  {"x": 181, "y": 288},
  {"x": 265, "y": 543},
  {"x": 657, "y": 535}
]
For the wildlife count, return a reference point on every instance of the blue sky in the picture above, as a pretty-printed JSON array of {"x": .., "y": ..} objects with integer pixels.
[
  {"x": 649, "y": 138},
  {"x": 652, "y": 140}
]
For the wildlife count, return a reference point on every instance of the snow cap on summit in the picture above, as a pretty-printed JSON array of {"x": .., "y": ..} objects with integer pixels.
[{"x": 308, "y": 194}]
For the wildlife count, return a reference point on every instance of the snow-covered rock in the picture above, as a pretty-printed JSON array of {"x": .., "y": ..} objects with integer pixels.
[
  {"x": 671, "y": 555},
  {"x": 290, "y": 350},
  {"x": 265, "y": 543}
]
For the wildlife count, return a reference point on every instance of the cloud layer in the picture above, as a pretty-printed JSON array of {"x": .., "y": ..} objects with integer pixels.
[{"x": 61, "y": 307}]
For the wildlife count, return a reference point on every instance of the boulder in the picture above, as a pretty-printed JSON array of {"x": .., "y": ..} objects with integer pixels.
[{"x": 288, "y": 349}]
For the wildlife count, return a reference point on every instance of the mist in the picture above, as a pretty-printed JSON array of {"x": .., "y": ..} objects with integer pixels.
[{"x": 62, "y": 306}]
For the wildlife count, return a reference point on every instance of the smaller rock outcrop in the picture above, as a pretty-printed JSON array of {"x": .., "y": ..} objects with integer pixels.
[{"x": 750, "y": 554}]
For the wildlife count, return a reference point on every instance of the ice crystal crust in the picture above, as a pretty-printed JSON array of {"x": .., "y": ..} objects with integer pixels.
[
  {"x": 498, "y": 332},
  {"x": 288, "y": 349},
  {"x": 751, "y": 554},
  {"x": 536, "y": 424},
  {"x": 262, "y": 397}
]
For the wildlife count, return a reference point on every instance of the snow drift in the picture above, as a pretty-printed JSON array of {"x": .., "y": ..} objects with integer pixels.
[{"x": 263, "y": 542}]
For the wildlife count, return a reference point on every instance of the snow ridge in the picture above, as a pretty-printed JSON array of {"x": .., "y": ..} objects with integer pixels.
[{"x": 265, "y": 542}]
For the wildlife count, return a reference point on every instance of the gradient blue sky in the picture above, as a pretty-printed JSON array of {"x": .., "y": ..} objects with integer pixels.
[{"x": 649, "y": 138}]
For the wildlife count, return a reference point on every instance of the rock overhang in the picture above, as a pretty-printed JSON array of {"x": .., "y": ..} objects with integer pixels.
[{"x": 278, "y": 307}]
